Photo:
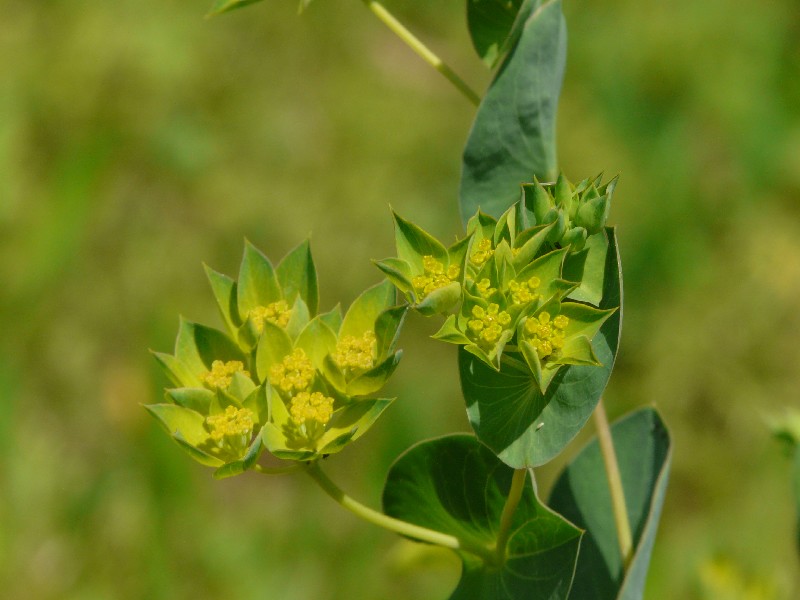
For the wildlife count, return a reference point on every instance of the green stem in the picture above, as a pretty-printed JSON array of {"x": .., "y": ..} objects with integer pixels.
[
  {"x": 279, "y": 470},
  {"x": 514, "y": 495},
  {"x": 614, "y": 484},
  {"x": 421, "y": 49},
  {"x": 396, "y": 525}
]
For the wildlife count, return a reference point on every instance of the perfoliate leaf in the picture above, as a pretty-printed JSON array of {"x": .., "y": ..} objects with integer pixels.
[
  {"x": 455, "y": 485},
  {"x": 513, "y": 135},
  {"x": 489, "y": 23},
  {"x": 581, "y": 494}
]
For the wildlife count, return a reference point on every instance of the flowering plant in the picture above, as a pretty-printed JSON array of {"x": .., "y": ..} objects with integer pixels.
[{"x": 531, "y": 295}]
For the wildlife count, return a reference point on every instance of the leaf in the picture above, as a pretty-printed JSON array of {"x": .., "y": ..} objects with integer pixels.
[
  {"x": 588, "y": 267},
  {"x": 179, "y": 373},
  {"x": 440, "y": 300},
  {"x": 413, "y": 243},
  {"x": 224, "y": 289},
  {"x": 513, "y": 135},
  {"x": 297, "y": 275},
  {"x": 176, "y": 418},
  {"x": 387, "y": 329},
  {"x": 273, "y": 346},
  {"x": 374, "y": 379},
  {"x": 489, "y": 23},
  {"x": 317, "y": 340},
  {"x": 366, "y": 309},
  {"x": 507, "y": 409},
  {"x": 223, "y": 6},
  {"x": 455, "y": 485},
  {"x": 196, "y": 399},
  {"x": 198, "y": 346},
  {"x": 581, "y": 494},
  {"x": 258, "y": 285}
]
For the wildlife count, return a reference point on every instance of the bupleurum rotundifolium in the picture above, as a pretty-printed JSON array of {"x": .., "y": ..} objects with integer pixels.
[
  {"x": 546, "y": 334},
  {"x": 231, "y": 431},
  {"x": 221, "y": 373},
  {"x": 434, "y": 276},
  {"x": 277, "y": 313},
  {"x": 487, "y": 324},
  {"x": 482, "y": 253},
  {"x": 356, "y": 354},
  {"x": 309, "y": 410}
]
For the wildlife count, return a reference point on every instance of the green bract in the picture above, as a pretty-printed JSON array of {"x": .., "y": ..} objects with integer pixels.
[
  {"x": 217, "y": 411},
  {"x": 283, "y": 379},
  {"x": 577, "y": 211},
  {"x": 429, "y": 275},
  {"x": 316, "y": 378},
  {"x": 286, "y": 296},
  {"x": 558, "y": 334}
]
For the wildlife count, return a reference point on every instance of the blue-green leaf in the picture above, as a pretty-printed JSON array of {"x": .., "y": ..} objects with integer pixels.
[
  {"x": 513, "y": 136},
  {"x": 456, "y": 486},
  {"x": 581, "y": 494}
]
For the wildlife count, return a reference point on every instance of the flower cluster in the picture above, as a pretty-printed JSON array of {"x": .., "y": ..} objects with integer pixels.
[
  {"x": 283, "y": 378},
  {"x": 493, "y": 286}
]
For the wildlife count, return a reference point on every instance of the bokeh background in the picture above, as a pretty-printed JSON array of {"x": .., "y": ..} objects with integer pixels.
[{"x": 138, "y": 139}]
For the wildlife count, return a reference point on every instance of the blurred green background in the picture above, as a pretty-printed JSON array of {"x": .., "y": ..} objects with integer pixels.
[{"x": 137, "y": 140}]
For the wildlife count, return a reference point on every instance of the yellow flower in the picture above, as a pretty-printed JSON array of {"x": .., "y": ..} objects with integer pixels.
[
  {"x": 221, "y": 373},
  {"x": 293, "y": 374},
  {"x": 278, "y": 313},
  {"x": 435, "y": 276}
]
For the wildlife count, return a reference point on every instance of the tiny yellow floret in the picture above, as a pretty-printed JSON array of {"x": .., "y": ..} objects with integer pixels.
[
  {"x": 233, "y": 423},
  {"x": 483, "y": 252},
  {"x": 435, "y": 276},
  {"x": 488, "y": 324},
  {"x": 311, "y": 407},
  {"x": 356, "y": 353},
  {"x": 293, "y": 374},
  {"x": 484, "y": 288},
  {"x": 221, "y": 373},
  {"x": 546, "y": 335},
  {"x": 278, "y": 313},
  {"x": 523, "y": 292}
]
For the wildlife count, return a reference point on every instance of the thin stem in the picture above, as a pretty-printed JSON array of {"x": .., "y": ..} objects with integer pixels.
[
  {"x": 514, "y": 495},
  {"x": 614, "y": 484},
  {"x": 279, "y": 470},
  {"x": 421, "y": 49},
  {"x": 396, "y": 525}
]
